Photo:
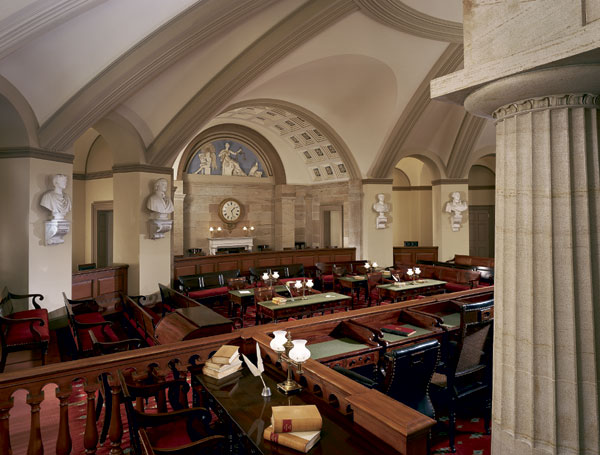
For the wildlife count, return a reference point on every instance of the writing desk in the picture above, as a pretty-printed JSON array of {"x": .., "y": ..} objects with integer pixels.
[
  {"x": 192, "y": 322},
  {"x": 245, "y": 298},
  {"x": 408, "y": 289},
  {"x": 241, "y": 407},
  {"x": 314, "y": 303},
  {"x": 354, "y": 284}
]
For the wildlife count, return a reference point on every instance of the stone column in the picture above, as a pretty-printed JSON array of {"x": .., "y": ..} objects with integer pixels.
[
  {"x": 285, "y": 217},
  {"x": 547, "y": 327},
  {"x": 449, "y": 238},
  {"x": 150, "y": 260},
  {"x": 377, "y": 243},
  {"x": 27, "y": 264},
  {"x": 353, "y": 215}
]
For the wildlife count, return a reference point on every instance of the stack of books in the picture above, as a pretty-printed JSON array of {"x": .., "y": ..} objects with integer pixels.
[
  {"x": 224, "y": 362},
  {"x": 296, "y": 427}
]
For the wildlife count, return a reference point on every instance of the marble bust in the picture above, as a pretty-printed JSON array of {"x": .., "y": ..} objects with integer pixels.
[
  {"x": 56, "y": 200},
  {"x": 159, "y": 202},
  {"x": 455, "y": 207},
  {"x": 381, "y": 207}
]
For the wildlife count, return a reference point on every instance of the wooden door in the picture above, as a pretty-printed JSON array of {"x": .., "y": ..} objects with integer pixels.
[{"x": 481, "y": 230}]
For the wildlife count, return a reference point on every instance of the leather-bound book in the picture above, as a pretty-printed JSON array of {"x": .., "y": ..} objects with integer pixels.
[
  {"x": 398, "y": 330},
  {"x": 302, "y": 441},
  {"x": 286, "y": 419}
]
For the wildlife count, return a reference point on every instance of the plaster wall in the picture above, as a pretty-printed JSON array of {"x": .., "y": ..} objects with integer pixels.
[
  {"x": 377, "y": 243},
  {"x": 413, "y": 209},
  {"x": 79, "y": 226}
]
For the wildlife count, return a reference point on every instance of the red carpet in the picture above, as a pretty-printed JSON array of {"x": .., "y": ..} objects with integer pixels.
[{"x": 470, "y": 438}]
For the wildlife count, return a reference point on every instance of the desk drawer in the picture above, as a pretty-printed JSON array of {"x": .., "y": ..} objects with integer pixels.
[{"x": 370, "y": 358}]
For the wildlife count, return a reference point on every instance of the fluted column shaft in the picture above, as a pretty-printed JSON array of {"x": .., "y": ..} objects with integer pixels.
[{"x": 547, "y": 326}]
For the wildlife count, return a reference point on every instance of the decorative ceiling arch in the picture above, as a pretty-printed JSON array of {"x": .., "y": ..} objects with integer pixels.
[
  {"x": 19, "y": 124},
  {"x": 431, "y": 160},
  {"x": 192, "y": 28},
  {"x": 123, "y": 138},
  {"x": 478, "y": 155},
  {"x": 392, "y": 151},
  {"x": 470, "y": 130},
  {"x": 399, "y": 16},
  {"x": 265, "y": 151},
  {"x": 303, "y": 130},
  {"x": 297, "y": 28}
]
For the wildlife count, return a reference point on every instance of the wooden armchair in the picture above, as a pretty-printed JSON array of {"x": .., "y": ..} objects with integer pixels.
[
  {"x": 374, "y": 279},
  {"x": 22, "y": 330},
  {"x": 179, "y": 430},
  {"x": 86, "y": 319}
]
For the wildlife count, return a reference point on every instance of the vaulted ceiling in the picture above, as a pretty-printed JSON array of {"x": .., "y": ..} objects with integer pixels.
[{"x": 347, "y": 75}]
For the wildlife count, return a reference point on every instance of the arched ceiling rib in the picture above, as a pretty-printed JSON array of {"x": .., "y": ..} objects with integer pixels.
[
  {"x": 291, "y": 32},
  {"x": 392, "y": 151},
  {"x": 140, "y": 64},
  {"x": 396, "y": 14}
]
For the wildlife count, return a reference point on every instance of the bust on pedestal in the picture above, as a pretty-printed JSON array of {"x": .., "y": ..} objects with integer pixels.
[
  {"x": 161, "y": 207},
  {"x": 59, "y": 203}
]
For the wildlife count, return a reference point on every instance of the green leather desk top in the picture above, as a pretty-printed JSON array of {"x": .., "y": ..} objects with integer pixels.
[
  {"x": 310, "y": 300},
  {"x": 338, "y": 346},
  {"x": 406, "y": 286}
]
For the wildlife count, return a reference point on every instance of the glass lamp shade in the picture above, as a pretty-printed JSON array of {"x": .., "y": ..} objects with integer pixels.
[
  {"x": 309, "y": 283},
  {"x": 299, "y": 353},
  {"x": 219, "y": 229},
  {"x": 298, "y": 284},
  {"x": 374, "y": 264},
  {"x": 410, "y": 272},
  {"x": 251, "y": 228},
  {"x": 245, "y": 228},
  {"x": 278, "y": 341},
  {"x": 211, "y": 229},
  {"x": 276, "y": 275},
  {"x": 367, "y": 266},
  {"x": 417, "y": 271},
  {"x": 265, "y": 276}
]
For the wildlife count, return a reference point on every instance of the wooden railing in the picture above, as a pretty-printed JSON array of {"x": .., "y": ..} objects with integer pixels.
[{"x": 401, "y": 426}]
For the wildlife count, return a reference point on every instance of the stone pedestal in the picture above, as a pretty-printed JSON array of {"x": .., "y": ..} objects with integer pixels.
[
  {"x": 56, "y": 230},
  {"x": 547, "y": 327}
]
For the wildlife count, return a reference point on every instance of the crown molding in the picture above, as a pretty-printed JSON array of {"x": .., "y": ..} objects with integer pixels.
[
  {"x": 392, "y": 151},
  {"x": 28, "y": 152},
  {"x": 288, "y": 34},
  {"x": 450, "y": 182},
  {"x": 147, "y": 168},
  {"x": 411, "y": 188},
  {"x": 399, "y": 16},
  {"x": 93, "y": 175},
  {"x": 377, "y": 181},
  {"x": 35, "y": 19},
  {"x": 144, "y": 61}
]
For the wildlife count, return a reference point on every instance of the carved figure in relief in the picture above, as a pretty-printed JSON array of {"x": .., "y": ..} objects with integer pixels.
[
  {"x": 381, "y": 207},
  {"x": 229, "y": 163},
  {"x": 208, "y": 160},
  {"x": 254, "y": 172},
  {"x": 56, "y": 200},
  {"x": 158, "y": 201},
  {"x": 455, "y": 207}
]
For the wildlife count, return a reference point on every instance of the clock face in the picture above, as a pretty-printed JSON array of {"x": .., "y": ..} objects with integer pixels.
[{"x": 230, "y": 210}]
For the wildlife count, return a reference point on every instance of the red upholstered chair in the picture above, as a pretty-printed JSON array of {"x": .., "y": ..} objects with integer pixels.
[
  {"x": 324, "y": 275},
  {"x": 85, "y": 317},
  {"x": 22, "y": 330},
  {"x": 373, "y": 279},
  {"x": 178, "y": 430}
]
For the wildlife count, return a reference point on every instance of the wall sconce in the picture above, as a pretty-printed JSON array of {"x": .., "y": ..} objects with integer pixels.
[
  {"x": 248, "y": 230},
  {"x": 294, "y": 353}
]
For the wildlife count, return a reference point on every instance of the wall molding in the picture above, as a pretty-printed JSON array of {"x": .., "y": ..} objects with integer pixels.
[
  {"x": 464, "y": 144},
  {"x": 399, "y": 16},
  {"x": 482, "y": 187},
  {"x": 450, "y": 182},
  {"x": 377, "y": 181},
  {"x": 147, "y": 168},
  {"x": 93, "y": 175},
  {"x": 412, "y": 188},
  {"x": 28, "y": 152}
]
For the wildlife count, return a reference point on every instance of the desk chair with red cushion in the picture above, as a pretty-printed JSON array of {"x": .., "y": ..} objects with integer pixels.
[{"x": 22, "y": 330}]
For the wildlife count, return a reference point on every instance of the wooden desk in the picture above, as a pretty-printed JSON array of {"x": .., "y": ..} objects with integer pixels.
[
  {"x": 409, "y": 289},
  {"x": 245, "y": 298},
  {"x": 241, "y": 407},
  {"x": 315, "y": 303},
  {"x": 192, "y": 322},
  {"x": 354, "y": 284}
]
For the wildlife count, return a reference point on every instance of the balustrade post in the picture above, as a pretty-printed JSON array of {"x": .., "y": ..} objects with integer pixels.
[
  {"x": 63, "y": 441},
  {"x": 36, "y": 446},
  {"x": 5, "y": 408},
  {"x": 115, "y": 432},
  {"x": 90, "y": 438}
]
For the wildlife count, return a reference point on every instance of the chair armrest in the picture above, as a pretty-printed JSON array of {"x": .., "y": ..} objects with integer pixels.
[
  {"x": 363, "y": 380},
  {"x": 26, "y": 296},
  {"x": 19, "y": 321},
  {"x": 109, "y": 347},
  {"x": 91, "y": 325}
]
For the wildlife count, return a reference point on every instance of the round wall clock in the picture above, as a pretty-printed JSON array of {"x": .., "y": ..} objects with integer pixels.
[{"x": 230, "y": 210}]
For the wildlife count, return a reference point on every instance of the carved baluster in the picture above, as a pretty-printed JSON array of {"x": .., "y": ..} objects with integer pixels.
[
  {"x": 35, "y": 433},
  {"x": 115, "y": 432},
  {"x": 90, "y": 438},
  {"x": 5, "y": 408},
  {"x": 161, "y": 400},
  {"x": 63, "y": 441}
]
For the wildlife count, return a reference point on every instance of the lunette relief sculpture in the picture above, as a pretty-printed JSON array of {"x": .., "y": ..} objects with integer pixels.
[
  {"x": 58, "y": 202},
  {"x": 161, "y": 206},
  {"x": 455, "y": 207},
  {"x": 381, "y": 207}
]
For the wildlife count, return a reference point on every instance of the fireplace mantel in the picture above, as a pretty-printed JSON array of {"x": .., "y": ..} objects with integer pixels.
[{"x": 229, "y": 242}]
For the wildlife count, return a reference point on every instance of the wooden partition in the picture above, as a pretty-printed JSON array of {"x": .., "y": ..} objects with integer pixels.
[
  {"x": 193, "y": 265},
  {"x": 105, "y": 281},
  {"x": 390, "y": 421},
  {"x": 409, "y": 255}
]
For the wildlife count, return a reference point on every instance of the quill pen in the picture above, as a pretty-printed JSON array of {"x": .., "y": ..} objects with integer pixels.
[{"x": 257, "y": 369}]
